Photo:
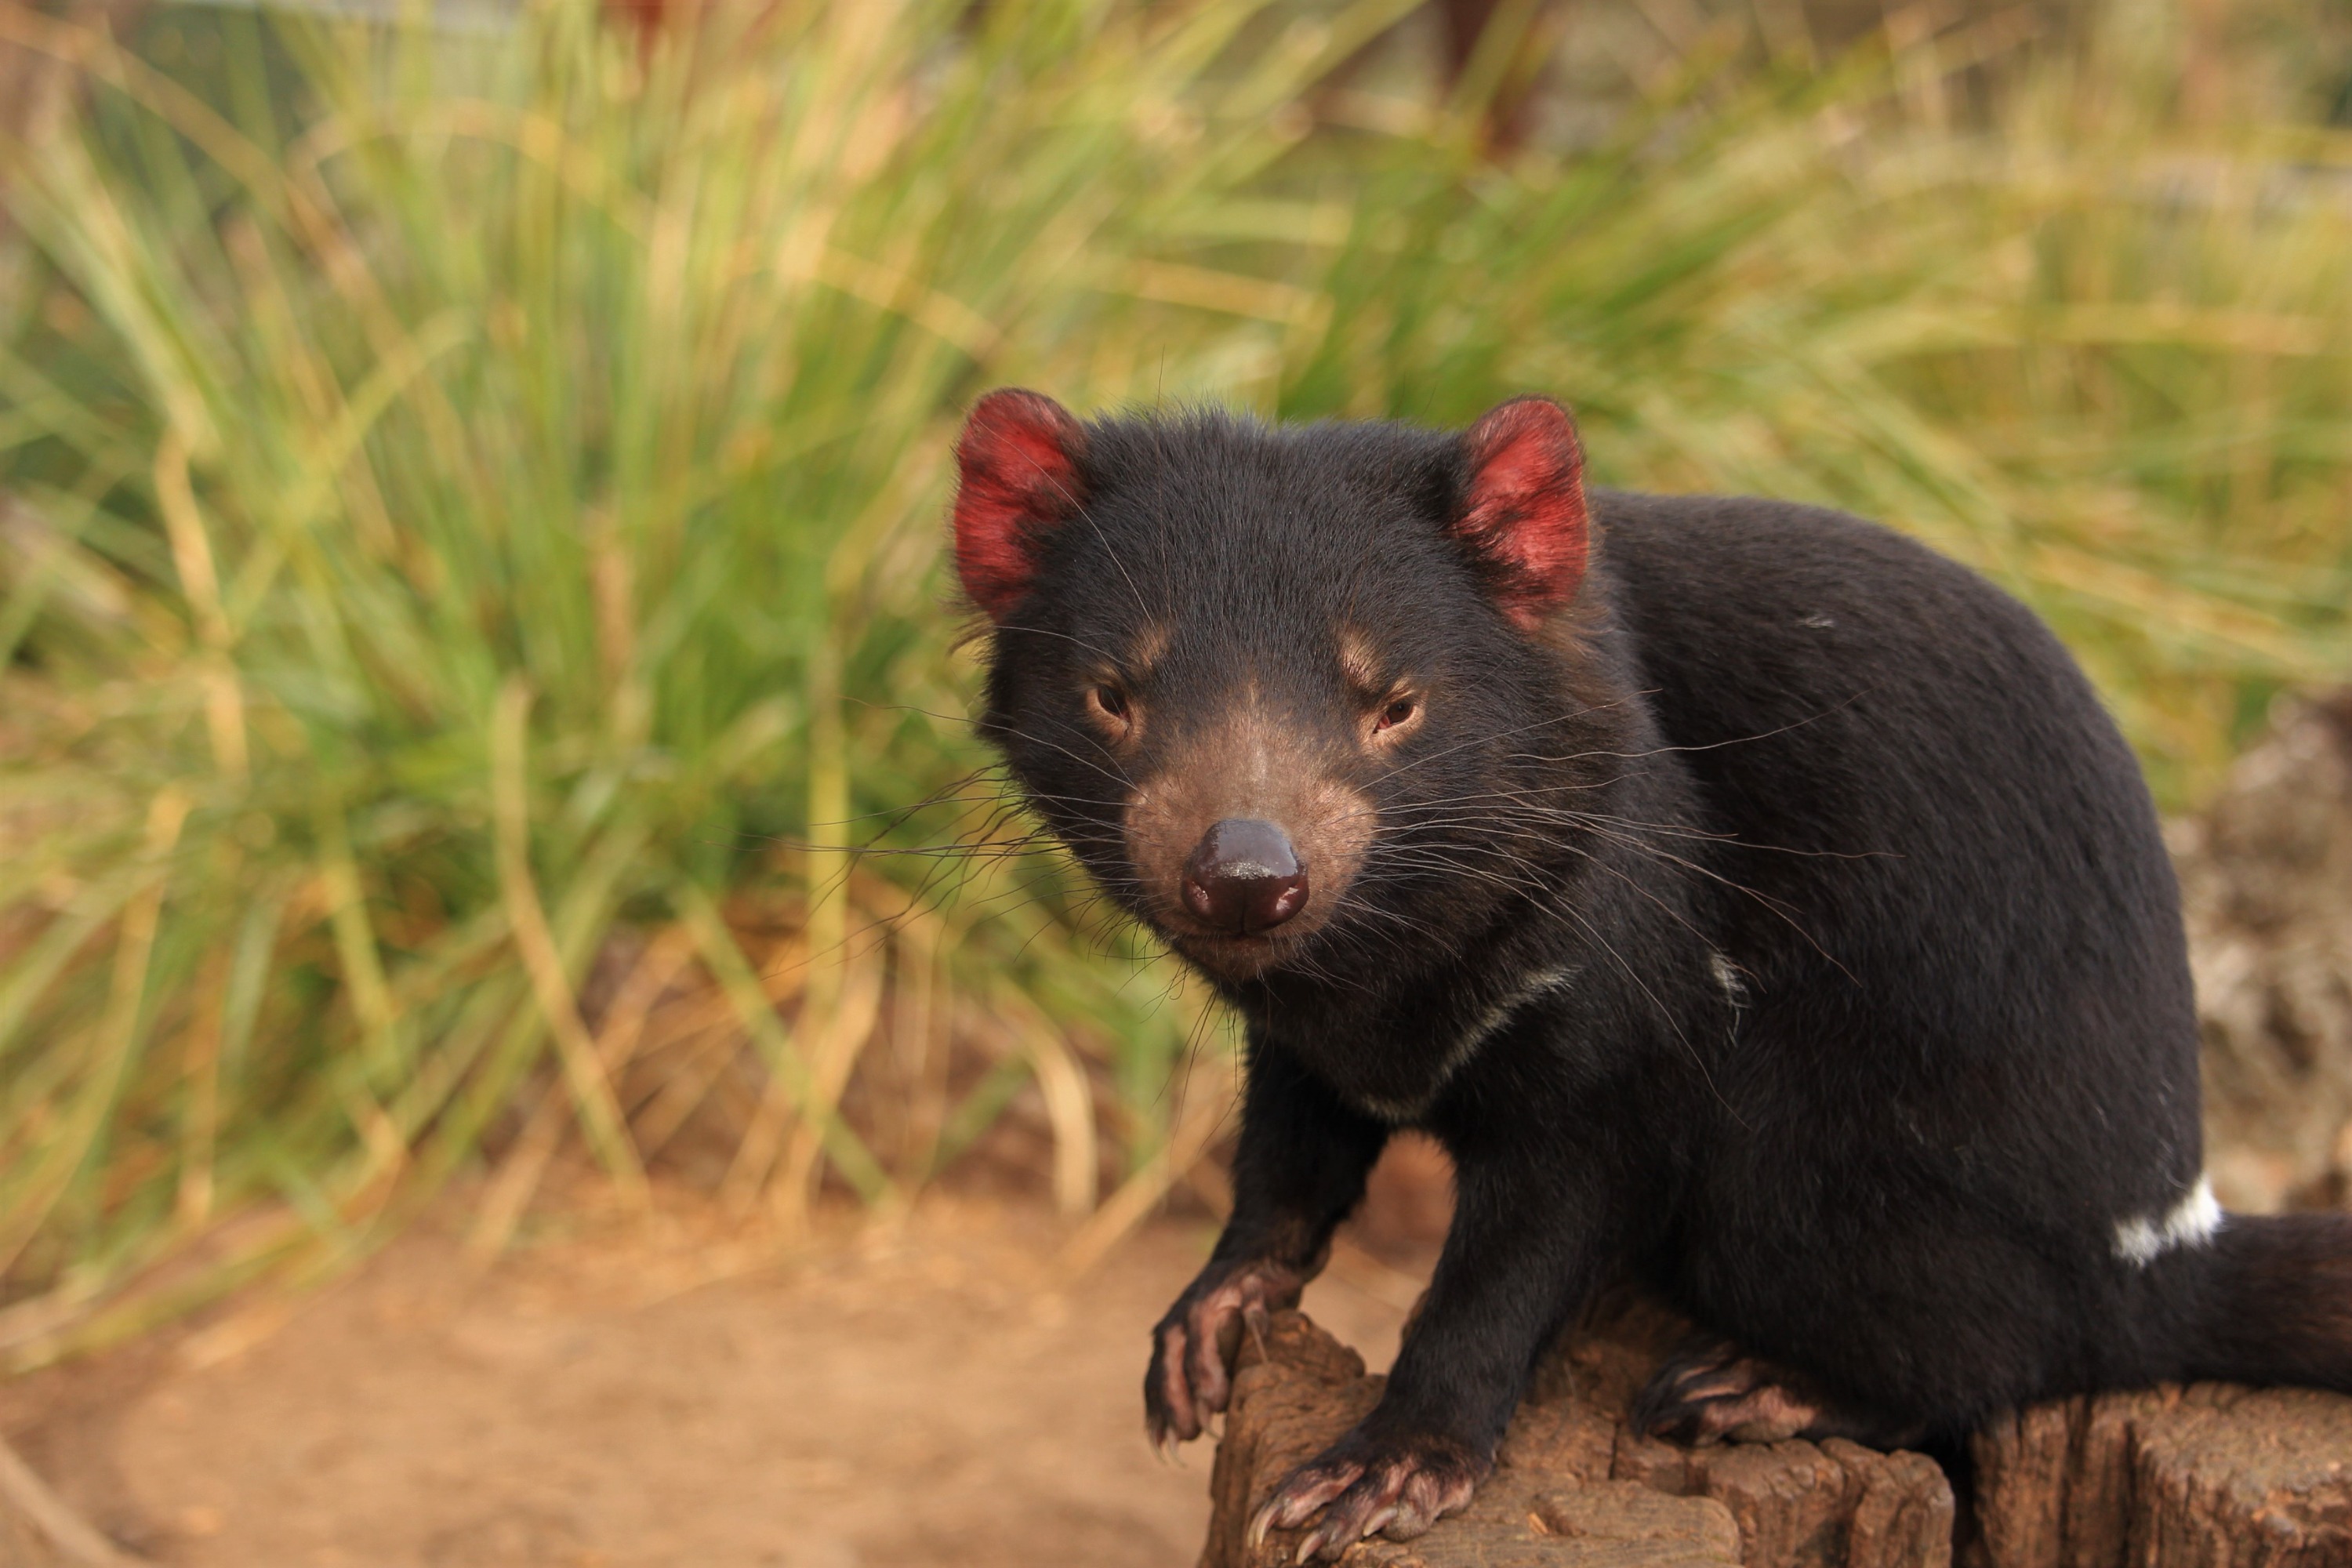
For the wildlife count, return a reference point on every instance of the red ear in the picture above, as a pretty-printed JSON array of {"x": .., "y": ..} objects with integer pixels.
[
  {"x": 1522, "y": 505},
  {"x": 1018, "y": 476}
]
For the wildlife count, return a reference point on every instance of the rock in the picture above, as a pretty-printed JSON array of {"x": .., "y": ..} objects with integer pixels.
[
  {"x": 2266, "y": 890},
  {"x": 2206, "y": 1476},
  {"x": 1572, "y": 1488}
]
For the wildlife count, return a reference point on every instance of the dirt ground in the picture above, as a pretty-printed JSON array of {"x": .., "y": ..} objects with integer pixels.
[{"x": 666, "y": 1394}]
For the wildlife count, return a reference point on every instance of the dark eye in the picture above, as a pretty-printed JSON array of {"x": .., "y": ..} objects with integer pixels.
[
  {"x": 1396, "y": 713},
  {"x": 1109, "y": 701}
]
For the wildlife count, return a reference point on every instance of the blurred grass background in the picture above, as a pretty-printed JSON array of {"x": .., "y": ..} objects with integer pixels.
[{"x": 477, "y": 682}]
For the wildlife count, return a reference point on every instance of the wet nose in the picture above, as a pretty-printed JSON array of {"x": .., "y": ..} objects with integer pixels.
[{"x": 1244, "y": 876}]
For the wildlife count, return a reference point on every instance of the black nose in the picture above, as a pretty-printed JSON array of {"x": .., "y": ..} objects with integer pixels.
[{"x": 1244, "y": 876}]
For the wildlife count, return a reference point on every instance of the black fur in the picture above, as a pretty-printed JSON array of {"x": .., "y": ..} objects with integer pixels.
[{"x": 1874, "y": 1015}]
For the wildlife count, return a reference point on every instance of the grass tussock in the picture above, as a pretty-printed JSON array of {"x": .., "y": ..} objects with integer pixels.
[{"x": 478, "y": 672}]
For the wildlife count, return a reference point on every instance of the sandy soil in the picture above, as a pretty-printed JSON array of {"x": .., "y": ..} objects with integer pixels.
[{"x": 666, "y": 1395}]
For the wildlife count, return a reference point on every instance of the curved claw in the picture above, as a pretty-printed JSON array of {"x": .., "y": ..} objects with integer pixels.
[
  {"x": 1297, "y": 1498},
  {"x": 1192, "y": 1347},
  {"x": 1168, "y": 1411},
  {"x": 1706, "y": 1395},
  {"x": 1401, "y": 1488},
  {"x": 1258, "y": 1320}
]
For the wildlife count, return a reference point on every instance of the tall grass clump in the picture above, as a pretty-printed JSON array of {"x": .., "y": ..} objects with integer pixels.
[
  {"x": 472, "y": 504},
  {"x": 2099, "y": 353},
  {"x": 478, "y": 677}
]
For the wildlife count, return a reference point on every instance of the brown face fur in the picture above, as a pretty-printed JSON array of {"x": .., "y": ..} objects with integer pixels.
[{"x": 1252, "y": 761}]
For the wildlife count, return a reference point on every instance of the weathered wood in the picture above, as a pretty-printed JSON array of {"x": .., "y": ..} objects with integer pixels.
[
  {"x": 1572, "y": 1488},
  {"x": 2232, "y": 1478},
  {"x": 2207, "y": 1476}
]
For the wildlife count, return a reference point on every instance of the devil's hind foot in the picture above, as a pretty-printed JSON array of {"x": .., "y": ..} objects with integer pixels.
[{"x": 1710, "y": 1393}]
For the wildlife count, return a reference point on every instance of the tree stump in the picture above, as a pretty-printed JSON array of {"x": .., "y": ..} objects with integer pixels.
[
  {"x": 2209, "y": 1475},
  {"x": 1572, "y": 1488},
  {"x": 2236, "y": 1478}
]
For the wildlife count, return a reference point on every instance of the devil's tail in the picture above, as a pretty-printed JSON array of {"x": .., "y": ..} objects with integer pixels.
[{"x": 2266, "y": 1299}]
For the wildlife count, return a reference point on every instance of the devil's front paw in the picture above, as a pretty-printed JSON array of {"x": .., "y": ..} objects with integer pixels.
[
  {"x": 1366, "y": 1484},
  {"x": 1195, "y": 1345}
]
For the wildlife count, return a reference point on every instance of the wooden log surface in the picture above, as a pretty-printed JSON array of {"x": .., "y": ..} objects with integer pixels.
[
  {"x": 2173, "y": 1478},
  {"x": 2205, "y": 1474}
]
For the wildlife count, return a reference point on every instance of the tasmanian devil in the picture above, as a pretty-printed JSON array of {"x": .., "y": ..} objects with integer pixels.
[{"x": 1749, "y": 899}]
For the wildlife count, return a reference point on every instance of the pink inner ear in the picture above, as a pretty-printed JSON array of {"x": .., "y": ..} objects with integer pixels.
[
  {"x": 1017, "y": 477},
  {"x": 1524, "y": 509}
]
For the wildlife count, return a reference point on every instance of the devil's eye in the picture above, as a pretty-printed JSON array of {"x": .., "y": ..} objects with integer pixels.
[
  {"x": 1109, "y": 701},
  {"x": 1397, "y": 712}
]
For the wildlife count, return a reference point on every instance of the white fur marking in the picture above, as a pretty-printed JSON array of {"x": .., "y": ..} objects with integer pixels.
[
  {"x": 1727, "y": 977},
  {"x": 1491, "y": 1019},
  {"x": 2141, "y": 1240},
  {"x": 1495, "y": 1017}
]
